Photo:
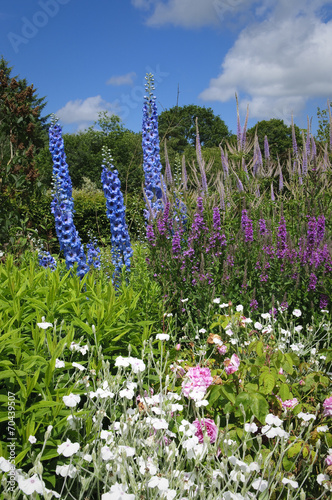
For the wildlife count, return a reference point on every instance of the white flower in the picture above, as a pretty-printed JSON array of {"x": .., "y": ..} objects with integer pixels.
[
  {"x": 137, "y": 365},
  {"x": 32, "y": 439},
  {"x": 202, "y": 330},
  {"x": 247, "y": 320},
  {"x": 169, "y": 315},
  {"x": 118, "y": 492},
  {"x": 106, "y": 453},
  {"x": 266, "y": 315},
  {"x": 126, "y": 393},
  {"x": 258, "y": 325},
  {"x": 190, "y": 443},
  {"x": 216, "y": 301},
  {"x": 260, "y": 484},
  {"x": 306, "y": 416},
  {"x": 66, "y": 470},
  {"x": 223, "y": 305},
  {"x": 44, "y": 325},
  {"x": 322, "y": 428},
  {"x": 31, "y": 485},
  {"x": 59, "y": 363},
  {"x": 87, "y": 457},
  {"x": 217, "y": 341},
  {"x": 324, "y": 311},
  {"x": 273, "y": 420},
  {"x": 298, "y": 328},
  {"x": 293, "y": 484},
  {"x": 72, "y": 400},
  {"x": 162, "y": 336},
  {"x": 203, "y": 402},
  {"x": 127, "y": 450},
  {"x": 68, "y": 448},
  {"x": 158, "y": 423},
  {"x": 297, "y": 313},
  {"x": 250, "y": 427},
  {"x": 170, "y": 494},
  {"x": 84, "y": 349},
  {"x": 233, "y": 341},
  {"x": 121, "y": 361},
  {"x": 5, "y": 465},
  {"x": 147, "y": 466},
  {"x": 160, "y": 482},
  {"x": 322, "y": 477},
  {"x": 107, "y": 435},
  {"x": 239, "y": 308},
  {"x": 184, "y": 300},
  {"x": 78, "y": 366},
  {"x": 229, "y": 332}
]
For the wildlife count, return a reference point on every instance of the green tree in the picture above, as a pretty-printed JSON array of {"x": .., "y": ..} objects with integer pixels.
[
  {"x": 22, "y": 135},
  {"x": 279, "y": 137},
  {"x": 178, "y": 126},
  {"x": 323, "y": 130}
]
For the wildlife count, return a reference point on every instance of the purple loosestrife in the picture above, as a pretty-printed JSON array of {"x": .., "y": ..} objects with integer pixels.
[
  {"x": 151, "y": 153},
  {"x": 312, "y": 282},
  {"x": 62, "y": 205},
  {"x": 150, "y": 235},
  {"x": 262, "y": 227},
  {"x": 323, "y": 301},
  {"x": 176, "y": 244},
  {"x": 320, "y": 229},
  {"x": 247, "y": 227},
  {"x": 115, "y": 210}
]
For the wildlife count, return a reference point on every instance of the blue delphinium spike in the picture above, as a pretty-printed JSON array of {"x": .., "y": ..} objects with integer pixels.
[
  {"x": 151, "y": 153},
  {"x": 62, "y": 205},
  {"x": 115, "y": 209}
]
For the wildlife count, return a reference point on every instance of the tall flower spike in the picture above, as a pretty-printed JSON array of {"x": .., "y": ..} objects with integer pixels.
[
  {"x": 115, "y": 209},
  {"x": 62, "y": 205},
  {"x": 151, "y": 152},
  {"x": 266, "y": 148},
  {"x": 200, "y": 161}
]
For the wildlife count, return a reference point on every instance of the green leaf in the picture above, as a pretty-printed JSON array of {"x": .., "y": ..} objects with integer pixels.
[
  {"x": 229, "y": 392},
  {"x": 267, "y": 382},
  {"x": 259, "y": 406},
  {"x": 284, "y": 392}
]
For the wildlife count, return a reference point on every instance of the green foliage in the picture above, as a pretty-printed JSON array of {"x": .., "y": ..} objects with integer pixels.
[
  {"x": 22, "y": 135},
  {"x": 178, "y": 126},
  {"x": 279, "y": 137}
]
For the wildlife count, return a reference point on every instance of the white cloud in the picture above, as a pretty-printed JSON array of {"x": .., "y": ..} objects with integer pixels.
[
  {"x": 84, "y": 111},
  {"x": 190, "y": 13},
  {"x": 127, "y": 79},
  {"x": 279, "y": 63}
]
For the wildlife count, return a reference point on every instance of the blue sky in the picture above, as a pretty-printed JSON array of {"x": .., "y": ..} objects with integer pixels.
[{"x": 86, "y": 57}]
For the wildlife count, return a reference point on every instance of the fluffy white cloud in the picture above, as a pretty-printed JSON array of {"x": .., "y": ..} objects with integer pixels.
[
  {"x": 84, "y": 111},
  {"x": 279, "y": 63},
  {"x": 127, "y": 79},
  {"x": 188, "y": 13}
]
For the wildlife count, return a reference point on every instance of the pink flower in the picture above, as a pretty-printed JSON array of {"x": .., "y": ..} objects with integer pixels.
[
  {"x": 198, "y": 379},
  {"x": 328, "y": 407},
  {"x": 328, "y": 459},
  {"x": 210, "y": 427},
  {"x": 289, "y": 404},
  {"x": 178, "y": 347},
  {"x": 222, "y": 349},
  {"x": 232, "y": 365}
]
